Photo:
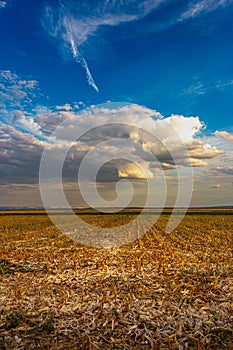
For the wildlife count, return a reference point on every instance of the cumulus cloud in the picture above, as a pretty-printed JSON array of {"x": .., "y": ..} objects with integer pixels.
[
  {"x": 65, "y": 107},
  {"x": 130, "y": 170},
  {"x": 16, "y": 93},
  {"x": 199, "y": 150},
  {"x": 20, "y": 155},
  {"x": 226, "y": 135},
  {"x": 155, "y": 142},
  {"x": 216, "y": 186}
]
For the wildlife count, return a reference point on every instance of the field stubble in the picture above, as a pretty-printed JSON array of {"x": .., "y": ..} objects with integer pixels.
[{"x": 163, "y": 291}]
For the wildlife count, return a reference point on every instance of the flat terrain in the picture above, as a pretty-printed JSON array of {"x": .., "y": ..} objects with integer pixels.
[{"x": 164, "y": 291}]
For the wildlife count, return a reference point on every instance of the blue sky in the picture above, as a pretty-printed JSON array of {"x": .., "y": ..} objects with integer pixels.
[
  {"x": 172, "y": 65},
  {"x": 174, "y": 57}
]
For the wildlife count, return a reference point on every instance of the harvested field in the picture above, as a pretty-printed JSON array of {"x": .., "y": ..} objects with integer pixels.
[{"x": 164, "y": 291}]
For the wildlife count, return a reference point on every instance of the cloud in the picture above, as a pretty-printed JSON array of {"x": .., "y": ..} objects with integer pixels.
[
  {"x": 155, "y": 143},
  {"x": 187, "y": 127},
  {"x": 223, "y": 84},
  {"x": 3, "y": 4},
  {"x": 199, "y": 7},
  {"x": 20, "y": 155},
  {"x": 200, "y": 150},
  {"x": 24, "y": 136},
  {"x": 26, "y": 123},
  {"x": 202, "y": 86},
  {"x": 22, "y": 143},
  {"x": 195, "y": 89},
  {"x": 226, "y": 170},
  {"x": 77, "y": 55},
  {"x": 74, "y": 23},
  {"x": 65, "y": 107},
  {"x": 16, "y": 93},
  {"x": 130, "y": 170},
  {"x": 216, "y": 186},
  {"x": 226, "y": 135}
]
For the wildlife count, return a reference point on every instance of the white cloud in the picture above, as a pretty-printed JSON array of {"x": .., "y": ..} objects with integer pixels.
[
  {"x": 151, "y": 135},
  {"x": 187, "y": 127},
  {"x": 223, "y": 84},
  {"x": 16, "y": 92},
  {"x": 216, "y": 186},
  {"x": 3, "y": 4},
  {"x": 226, "y": 135},
  {"x": 32, "y": 134},
  {"x": 26, "y": 123},
  {"x": 130, "y": 170},
  {"x": 226, "y": 170},
  {"x": 74, "y": 23},
  {"x": 65, "y": 107},
  {"x": 198, "y": 162},
  {"x": 23, "y": 142},
  {"x": 203, "y": 85},
  {"x": 197, "y": 8},
  {"x": 200, "y": 150}
]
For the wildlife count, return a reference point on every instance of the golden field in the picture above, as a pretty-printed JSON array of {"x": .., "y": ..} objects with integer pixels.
[{"x": 163, "y": 291}]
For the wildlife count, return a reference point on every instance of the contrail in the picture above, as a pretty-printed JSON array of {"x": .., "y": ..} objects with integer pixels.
[
  {"x": 74, "y": 21},
  {"x": 80, "y": 59},
  {"x": 90, "y": 79}
]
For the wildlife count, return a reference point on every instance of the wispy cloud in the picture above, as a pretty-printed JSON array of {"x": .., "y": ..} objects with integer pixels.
[
  {"x": 3, "y": 4},
  {"x": 195, "y": 89},
  {"x": 77, "y": 56},
  {"x": 224, "y": 84},
  {"x": 73, "y": 23},
  {"x": 197, "y": 8},
  {"x": 201, "y": 85}
]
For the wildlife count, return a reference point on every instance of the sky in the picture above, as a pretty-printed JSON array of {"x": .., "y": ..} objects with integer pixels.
[{"x": 163, "y": 67}]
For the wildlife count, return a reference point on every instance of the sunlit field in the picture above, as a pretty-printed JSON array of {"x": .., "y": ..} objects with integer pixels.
[{"x": 163, "y": 291}]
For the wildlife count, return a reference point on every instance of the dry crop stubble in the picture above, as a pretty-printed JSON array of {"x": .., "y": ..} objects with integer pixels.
[{"x": 163, "y": 291}]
